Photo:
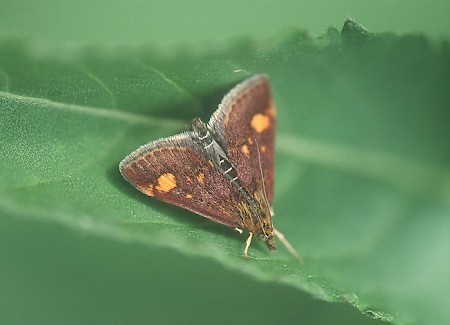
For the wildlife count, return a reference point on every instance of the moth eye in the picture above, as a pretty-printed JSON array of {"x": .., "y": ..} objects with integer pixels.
[{"x": 262, "y": 236}]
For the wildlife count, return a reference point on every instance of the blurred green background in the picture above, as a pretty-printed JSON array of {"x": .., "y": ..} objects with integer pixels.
[
  {"x": 53, "y": 274},
  {"x": 171, "y": 22}
]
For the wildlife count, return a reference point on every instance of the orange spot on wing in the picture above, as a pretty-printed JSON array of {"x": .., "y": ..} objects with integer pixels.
[
  {"x": 166, "y": 182},
  {"x": 245, "y": 150},
  {"x": 260, "y": 122},
  {"x": 201, "y": 178},
  {"x": 188, "y": 196},
  {"x": 263, "y": 149}
]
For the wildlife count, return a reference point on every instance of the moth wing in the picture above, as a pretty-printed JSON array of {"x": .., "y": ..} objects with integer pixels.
[
  {"x": 244, "y": 121},
  {"x": 172, "y": 171}
]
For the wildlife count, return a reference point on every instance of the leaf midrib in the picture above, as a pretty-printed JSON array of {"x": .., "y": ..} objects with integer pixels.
[
  {"x": 414, "y": 178},
  {"x": 136, "y": 119}
]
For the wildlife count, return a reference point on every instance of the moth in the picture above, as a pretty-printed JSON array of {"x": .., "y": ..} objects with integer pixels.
[{"x": 222, "y": 170}]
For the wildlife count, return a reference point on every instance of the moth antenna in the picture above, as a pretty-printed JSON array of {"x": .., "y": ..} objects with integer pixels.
[
  {"x": 277, "y": 233},
  {"x": 262, "y": 179},
  {"x": 288, "y": 245}
]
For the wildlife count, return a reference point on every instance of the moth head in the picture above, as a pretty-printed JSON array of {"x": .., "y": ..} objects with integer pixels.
[
  {"x": 263, "y": 220},
  {"x": 199, "y": 127},
  {"x": 266, "y": 231},
  {"x": 267, "y": 237}
]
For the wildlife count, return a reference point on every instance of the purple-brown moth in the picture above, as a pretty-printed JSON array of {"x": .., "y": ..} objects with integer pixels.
[{"x": 222, "y": 170}]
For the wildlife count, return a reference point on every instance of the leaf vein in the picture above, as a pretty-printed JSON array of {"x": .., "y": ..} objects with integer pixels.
[
  {"x": 173, "y": 83},
  {"x": 412, "y": 177},
  {"x": 92, "y": 76}
]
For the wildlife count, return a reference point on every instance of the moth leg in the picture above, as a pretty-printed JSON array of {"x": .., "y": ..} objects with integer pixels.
[
  {"x": 247, "y": 244},
  {"x": 288, "y": 245},
  {"x": 238, "y": 230},
  {"x": 272, "y": 212}
]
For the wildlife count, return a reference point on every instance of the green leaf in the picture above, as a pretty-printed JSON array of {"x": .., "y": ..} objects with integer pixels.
[{"x": 362, "y": 187}]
